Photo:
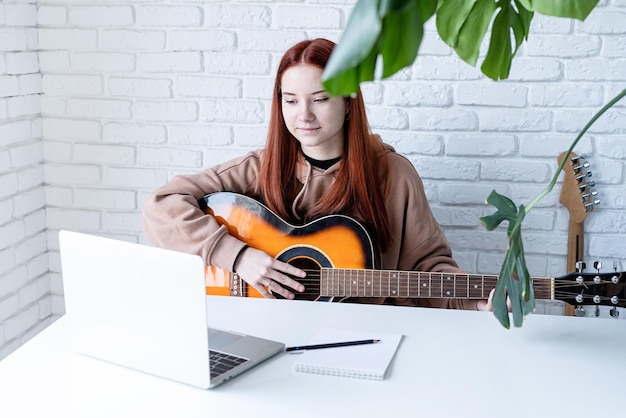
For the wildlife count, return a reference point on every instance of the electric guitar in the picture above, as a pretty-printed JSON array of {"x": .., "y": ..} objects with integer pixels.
[
  {"x": 340, "y": 259},
  {"x": 579, "y": 197}
]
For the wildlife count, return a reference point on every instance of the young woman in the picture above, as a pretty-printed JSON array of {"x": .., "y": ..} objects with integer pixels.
[{"x": 320, "y": 158}]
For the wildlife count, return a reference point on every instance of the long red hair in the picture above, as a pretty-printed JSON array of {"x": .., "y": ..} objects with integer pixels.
[{"x": 363, "y": 161}]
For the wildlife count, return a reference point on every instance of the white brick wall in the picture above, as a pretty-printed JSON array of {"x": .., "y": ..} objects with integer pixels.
[
  {"x": 25, "y": 294},
  {"x": 137, "y": 91}
]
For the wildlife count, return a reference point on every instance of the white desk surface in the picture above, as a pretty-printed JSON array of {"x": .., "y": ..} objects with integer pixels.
[{"x": 450, "y": 364}]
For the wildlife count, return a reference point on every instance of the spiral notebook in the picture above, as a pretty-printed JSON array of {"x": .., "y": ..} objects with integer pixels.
[{"x": 369, "y": 361}]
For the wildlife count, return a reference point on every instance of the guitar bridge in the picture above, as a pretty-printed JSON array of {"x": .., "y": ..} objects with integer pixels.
[{"x": 237, "y": 286}]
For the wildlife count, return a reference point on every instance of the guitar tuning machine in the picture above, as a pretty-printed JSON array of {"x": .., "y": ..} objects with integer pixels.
[
  {"x": 614, "y": 312},
  {"x": 614, "y": 299},
  {"x": 615, "y": 277},
  {"x": 579, "y": 159},
  {"x": 587, "y": 197},
  {"x": 580, "y": 267},
  {"x": 580, "y": 178},
  {"x": 597, "y": 265},
  {"x": 589, "y": 206},
  {"x": 581, "y": 164},
  {"x": 586, "y": 186},
  {"x": 596, "y": 311},
  {"x": 579, "y": 311}
]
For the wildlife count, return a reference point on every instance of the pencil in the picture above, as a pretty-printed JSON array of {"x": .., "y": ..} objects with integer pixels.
[{"x": 330, "y": 345}]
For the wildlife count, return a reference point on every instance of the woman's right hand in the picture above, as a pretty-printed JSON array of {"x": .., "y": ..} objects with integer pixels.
[{"x": 267, "y": 274}]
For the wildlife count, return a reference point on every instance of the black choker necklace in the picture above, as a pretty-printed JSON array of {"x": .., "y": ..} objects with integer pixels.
[{"x": 323, "y": 164}]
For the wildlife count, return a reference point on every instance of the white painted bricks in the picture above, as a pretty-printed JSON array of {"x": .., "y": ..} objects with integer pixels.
[{"x": 101, "y": 102}]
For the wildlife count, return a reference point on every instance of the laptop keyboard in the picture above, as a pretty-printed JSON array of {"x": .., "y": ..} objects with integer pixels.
[{"x": 221, "y": 363}]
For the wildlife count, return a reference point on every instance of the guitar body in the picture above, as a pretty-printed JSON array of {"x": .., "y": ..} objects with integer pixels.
[{"x": 333, "y": 241}]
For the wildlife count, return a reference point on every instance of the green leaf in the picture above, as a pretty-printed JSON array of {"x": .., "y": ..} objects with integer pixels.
[
  {"x": 394, "y": 6},
  {"x": 473, "y": 31},
  {"x": 497, "y": 64},
  {"x": 392, "y": 29},
  {"x": 514, "y": 281},
  {"x": 526, "y": 16},
  {"x": 342, "y": 74},
  {"x": 400, "y": 39},
  {"x": 577, "y": 9},
  {"x": 507, "y": 211},
  {"x": 451, "y": 15}
]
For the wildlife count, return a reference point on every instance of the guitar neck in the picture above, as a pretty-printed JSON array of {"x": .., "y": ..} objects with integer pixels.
[
  {"x": 414, "y": 284},
  {"x": 575, "y": 243}
]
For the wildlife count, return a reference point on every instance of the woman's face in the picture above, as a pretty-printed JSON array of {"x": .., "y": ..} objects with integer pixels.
[{"x": 311, "y": 115}]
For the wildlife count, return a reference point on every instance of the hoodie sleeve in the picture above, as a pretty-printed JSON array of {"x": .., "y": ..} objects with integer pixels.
[{"x": 172, "y": 217}]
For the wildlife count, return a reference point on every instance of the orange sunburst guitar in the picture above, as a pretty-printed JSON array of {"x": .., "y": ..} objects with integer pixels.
[
  {"x": 331, "y": 241},
  {"x": 340, "y": 259}
]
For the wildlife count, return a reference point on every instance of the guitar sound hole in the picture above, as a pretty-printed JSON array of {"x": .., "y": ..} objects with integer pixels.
[{"x": 311, "y": 282}]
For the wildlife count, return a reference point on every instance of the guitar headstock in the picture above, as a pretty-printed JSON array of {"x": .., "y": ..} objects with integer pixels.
[
  {"x": 577, "y": 193},
  {"x": 578, "y": 288}
]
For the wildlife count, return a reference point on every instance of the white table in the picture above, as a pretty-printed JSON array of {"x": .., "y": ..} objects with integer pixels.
[{"x": 450, "y": 364}]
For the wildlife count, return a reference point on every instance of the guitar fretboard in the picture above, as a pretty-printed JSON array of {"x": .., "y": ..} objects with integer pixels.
[{"x": 412, "y": 284}]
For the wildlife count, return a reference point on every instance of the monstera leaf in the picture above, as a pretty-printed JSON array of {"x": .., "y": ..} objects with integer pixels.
[
  {"x": 514, "y": 280},
  {"x": 393, "y": 29}
]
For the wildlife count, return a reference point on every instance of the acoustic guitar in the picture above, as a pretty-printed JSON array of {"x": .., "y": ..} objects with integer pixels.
[
  {"x": 340, "y": 259},
  {"x": 579, "y": 197}
]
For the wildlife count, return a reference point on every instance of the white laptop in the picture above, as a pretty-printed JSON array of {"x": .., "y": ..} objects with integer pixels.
[{"x": 144, "y": 308}]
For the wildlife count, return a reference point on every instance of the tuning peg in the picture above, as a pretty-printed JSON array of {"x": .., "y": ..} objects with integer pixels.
[
  {"x": 587, "y": 196},
  {"x": 589, "y": 206},
  {"x": 614, "y": 312},
  {"x": 586, "y": 186},
  {"x": 579, "y": 311},
  {"x": 580, "y": 178},
  {"x": 597, "y": 265},
  {"x": 582, "y": 164},
  {"x": 580, "y": 266},
  {"x": 596, "y": 311}
]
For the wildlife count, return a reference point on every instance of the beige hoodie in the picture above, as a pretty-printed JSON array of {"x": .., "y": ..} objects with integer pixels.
[{"x": 173, "y": 219}]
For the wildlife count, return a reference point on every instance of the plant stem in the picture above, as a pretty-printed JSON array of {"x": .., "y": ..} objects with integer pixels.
[{"x": 595, "y": 117}]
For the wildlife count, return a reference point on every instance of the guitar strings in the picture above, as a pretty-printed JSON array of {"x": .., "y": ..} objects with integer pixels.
[{"x": 562, "y": 288}]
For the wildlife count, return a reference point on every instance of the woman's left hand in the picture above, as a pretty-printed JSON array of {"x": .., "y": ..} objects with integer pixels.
[{"x": 487, "y": 305}]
